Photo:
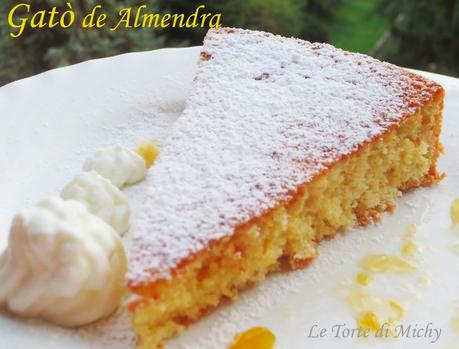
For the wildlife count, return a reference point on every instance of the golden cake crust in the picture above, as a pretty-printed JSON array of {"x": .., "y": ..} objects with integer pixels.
[{"x": 431, "y": 178}]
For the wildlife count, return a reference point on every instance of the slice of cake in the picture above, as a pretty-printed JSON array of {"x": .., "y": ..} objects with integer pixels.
[{"x": 283, "y": 143}]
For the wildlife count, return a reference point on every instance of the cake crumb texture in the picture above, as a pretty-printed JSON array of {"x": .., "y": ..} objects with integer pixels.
[{"x": 353, "y": 192}]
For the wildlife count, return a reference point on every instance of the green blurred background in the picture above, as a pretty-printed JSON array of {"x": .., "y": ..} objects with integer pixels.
[{"x": 422, "y": 34}]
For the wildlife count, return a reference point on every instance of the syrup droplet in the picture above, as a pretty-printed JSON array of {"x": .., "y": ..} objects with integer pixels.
[
  {"x": 369, "y": 321},
  {"x": 255, "y": 338},
  {"x": 398, "y": 309},
  {"x": 363, "y": 279},
  {"x": 384, "y": 263},
  {"x": 149, "y": 151},
  {"x": 455, "y": 212},
  {"x": 409, "y": 244}
]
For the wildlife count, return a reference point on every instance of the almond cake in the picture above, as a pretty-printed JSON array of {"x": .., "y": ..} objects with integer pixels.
[{"x": 283, "y": 143}]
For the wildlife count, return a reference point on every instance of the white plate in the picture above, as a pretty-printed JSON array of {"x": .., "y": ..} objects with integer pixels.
[{"x": 51, "y": 122}]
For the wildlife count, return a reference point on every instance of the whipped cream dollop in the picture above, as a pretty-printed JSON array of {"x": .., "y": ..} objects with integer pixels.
[
  {"x": 101, "y": 198},
  {"x": 63, "y": 264},
  {"x": 120, "y": 165}
]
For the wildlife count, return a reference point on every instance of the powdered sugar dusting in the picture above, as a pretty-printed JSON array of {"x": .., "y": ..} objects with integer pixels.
[
  {"x": 114, "y": 332},
  {"x": 266, "y": 115}
]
